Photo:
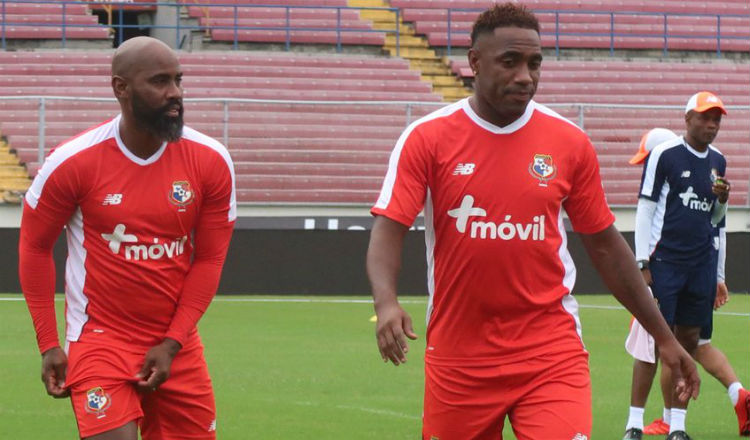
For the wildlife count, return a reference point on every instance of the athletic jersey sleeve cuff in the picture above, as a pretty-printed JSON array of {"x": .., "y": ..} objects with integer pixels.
[{"x": 404, "y": 220}]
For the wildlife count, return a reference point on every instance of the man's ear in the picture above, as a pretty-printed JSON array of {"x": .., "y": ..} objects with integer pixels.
[
  {"x": 119, "y": 86},
  {"x": 473, "y": 56}
]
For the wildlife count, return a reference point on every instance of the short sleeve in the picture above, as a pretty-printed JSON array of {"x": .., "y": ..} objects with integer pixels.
[
  {"x": 653, "y": 176},
  {"x": 404, "y": 188},
  {"x": 586, "y": 204}
]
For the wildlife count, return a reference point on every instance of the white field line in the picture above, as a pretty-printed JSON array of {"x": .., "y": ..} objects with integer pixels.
[
  {"x": 382, "y": 412},
  {"x": 360, "y": 301}
]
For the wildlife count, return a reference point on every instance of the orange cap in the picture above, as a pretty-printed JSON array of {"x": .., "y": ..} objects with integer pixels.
[
  {"x": 649, "y": 140},
  {"x": 702, "y": 101}
]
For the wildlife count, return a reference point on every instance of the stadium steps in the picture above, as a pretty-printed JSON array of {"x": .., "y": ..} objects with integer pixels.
[
  {"x": 14, "y": 179},
  {"x": 416, "y": 49}
]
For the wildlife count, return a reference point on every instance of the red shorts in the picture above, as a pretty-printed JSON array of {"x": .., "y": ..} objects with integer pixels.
[
  {"x": 544, "y": 398},
  {"x": 104, "y": 394}
]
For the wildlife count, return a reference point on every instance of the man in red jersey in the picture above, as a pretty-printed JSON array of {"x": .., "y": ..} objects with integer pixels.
[
  {"x": 149, "y": 207},
  {"x": 493, "y": 173}
]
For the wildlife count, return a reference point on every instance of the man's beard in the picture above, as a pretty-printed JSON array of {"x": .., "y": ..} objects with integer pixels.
[{"x": 155, "y": 120}]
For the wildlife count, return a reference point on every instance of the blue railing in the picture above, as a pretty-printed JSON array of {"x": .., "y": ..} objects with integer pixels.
[
  {"x": 664, "y": 35},
  {"x": 120, "y": 7}
]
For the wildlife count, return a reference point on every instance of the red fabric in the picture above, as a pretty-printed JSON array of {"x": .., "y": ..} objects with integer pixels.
[
  {"x": 146, "y": 237},
  {"x": 499, "y": 272},
  {"x": 36, "y": 270}
]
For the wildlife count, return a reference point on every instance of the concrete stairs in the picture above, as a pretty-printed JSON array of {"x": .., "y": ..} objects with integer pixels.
[
  {"x": 414, "y": 48},
  {"x": 14, "y": 180}
]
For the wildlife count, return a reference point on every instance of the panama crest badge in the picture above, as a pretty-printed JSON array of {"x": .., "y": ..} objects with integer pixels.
[
  {"x": 181, "y": 193},
  {"x": 542, "y": 168},
  {"x": 97, "y": 402}
]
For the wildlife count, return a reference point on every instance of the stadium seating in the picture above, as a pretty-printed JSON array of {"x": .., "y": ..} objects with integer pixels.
[
  {"x": 320, "y": 22},
  {"x": 44, "y": 21},
  {"x": 329, "y": 152},
  {"x": 588, "y": 23},
  {"x": 336, "y": 150}
]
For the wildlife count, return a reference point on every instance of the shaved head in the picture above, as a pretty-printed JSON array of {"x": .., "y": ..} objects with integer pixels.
[
  {"x": 136, "y": 53},
  {"x": 147, "y": 81}
]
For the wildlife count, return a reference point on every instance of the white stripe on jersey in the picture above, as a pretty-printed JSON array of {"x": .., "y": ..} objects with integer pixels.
[
  {"x": 75, "y": 276},
  {"x": 196, "y": 136},
  {"x": 429, "y": 241},
  {"x": 65, "y": 151},
  {"x": 657, "y": 223},
  {"x": 549, "y": 112},
  {"x": 390, "y": 177},
  {"x": 649, "y": 176},
  {"x": 569, "y": 276}
]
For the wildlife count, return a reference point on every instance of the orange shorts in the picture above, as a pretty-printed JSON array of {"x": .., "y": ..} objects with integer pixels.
[
  {"x": 544, "y": 398},
  {"x": 104, "y": 394}
]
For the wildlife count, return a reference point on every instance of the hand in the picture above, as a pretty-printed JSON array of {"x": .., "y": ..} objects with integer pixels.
[
  {"x": 393, "y": 324},
  {"x": 54, "y": 371},
  {"x": 685, "y": 377},
  {"x": 722, "y": 295},
  {"x": 721, "y": 189},
  {"x": 156, "y": 365},
  {"x": 647, "y": 276}
]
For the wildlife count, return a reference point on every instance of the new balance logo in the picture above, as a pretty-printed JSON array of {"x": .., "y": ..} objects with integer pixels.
[
  {"x": 138, "y": 252},
  {"x": 580, "y": 436},
  {"x": 464, "y": 169},
  {"x": 685, "y": 174},
  {"x": 690, "y": 200},
  {"x": 212, "y": 426},
  {"x": 112, "y": 199}
]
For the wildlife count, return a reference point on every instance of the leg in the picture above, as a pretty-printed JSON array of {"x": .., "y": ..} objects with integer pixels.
[
  {"x": 665, "y": 380},
  {"x": 643, "y": 377},
  {"x": 558, "y": 406},
  {"x": 688, "y": 338},
  {"x": 715, "y": 362},
  {"x": 106, "y": 404},
  {"x": 183, "y": 408},
  {"x": 127, "y": 432},
  {"x": 463, "y": 403}
]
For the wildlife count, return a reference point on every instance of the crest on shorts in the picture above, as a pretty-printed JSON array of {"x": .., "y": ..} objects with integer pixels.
[
  {"x": 181, "y": 193},
  {"x": 97, "y": 402},
  {"x": 542, "y": 168}
]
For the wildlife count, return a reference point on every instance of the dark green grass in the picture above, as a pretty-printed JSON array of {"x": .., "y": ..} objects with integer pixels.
[{"x": 302, "y": 370}]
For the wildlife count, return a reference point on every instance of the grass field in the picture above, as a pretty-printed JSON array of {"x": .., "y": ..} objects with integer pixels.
[{"x": 308, "y": 368}]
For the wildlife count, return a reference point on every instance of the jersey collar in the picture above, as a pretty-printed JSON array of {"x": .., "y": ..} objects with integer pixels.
[
  {"x": 695, "y": 152},
  {"x": 149, "y": 160},
  {"x": 510, "y": 128}
]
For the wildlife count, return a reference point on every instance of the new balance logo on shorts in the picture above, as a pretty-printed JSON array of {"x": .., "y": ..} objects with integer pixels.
[
  {"x": 580, "y": 436},
  {"x": 464, "y": 169}
]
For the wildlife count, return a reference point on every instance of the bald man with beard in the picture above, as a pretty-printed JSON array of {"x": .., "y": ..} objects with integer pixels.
[{"x": 149, "y": 207}]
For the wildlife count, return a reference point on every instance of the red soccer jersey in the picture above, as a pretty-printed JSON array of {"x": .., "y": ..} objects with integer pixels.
[
  {"x": 499, "y": 272},
  {"x": 133, "y": 232}
]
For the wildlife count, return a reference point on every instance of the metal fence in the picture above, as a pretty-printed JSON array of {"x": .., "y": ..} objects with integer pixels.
[{"x": 116, "y": 10}]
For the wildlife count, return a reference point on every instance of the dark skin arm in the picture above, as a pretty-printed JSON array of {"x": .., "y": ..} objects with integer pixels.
[
  {"x": 156, "y": 365},
  {"x": 615, "y": 263},
  {"x": 54, "y": 370},
  {"x": 383, "y": 266}
]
